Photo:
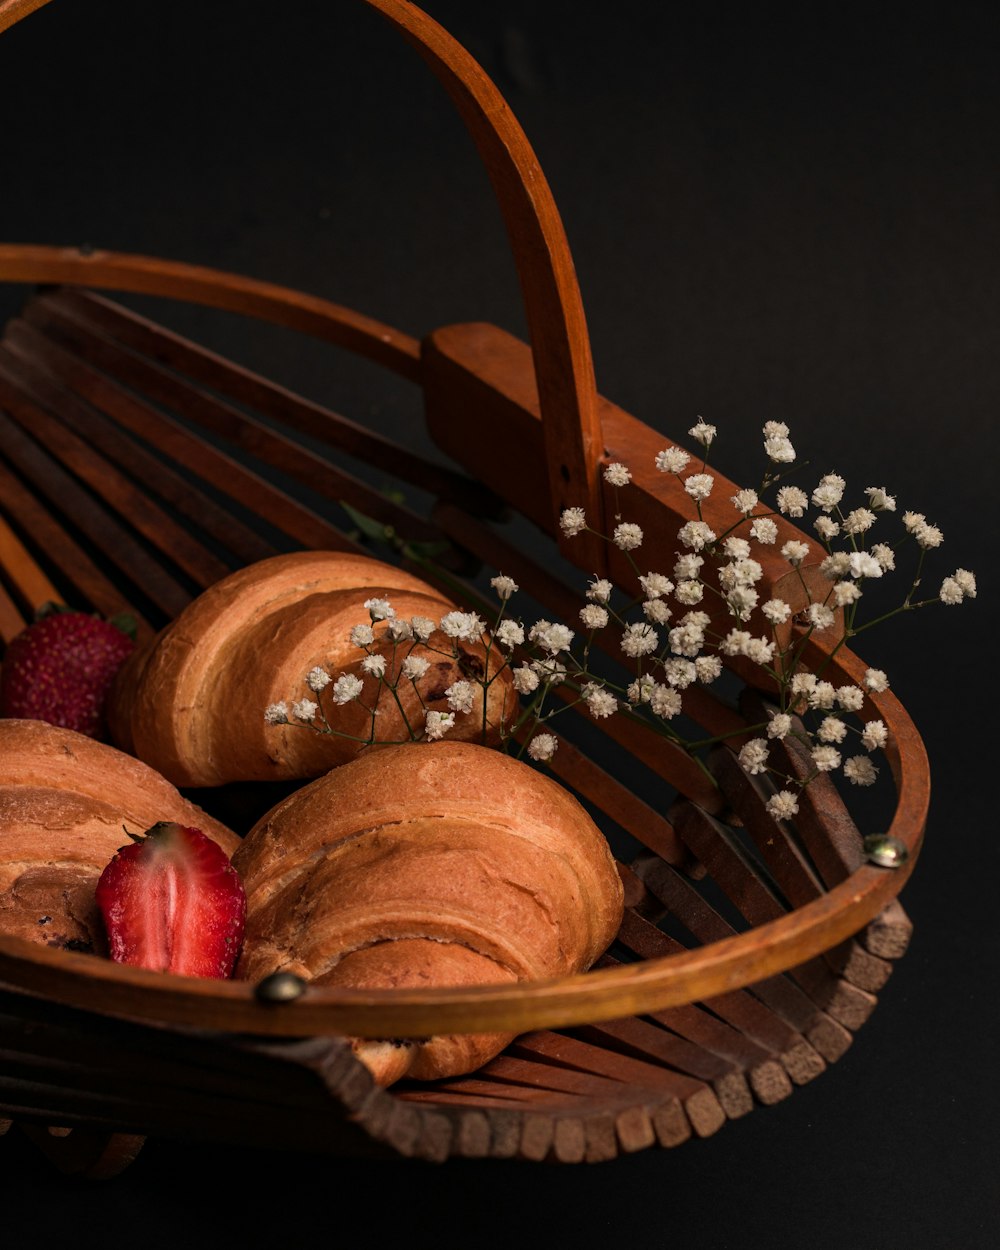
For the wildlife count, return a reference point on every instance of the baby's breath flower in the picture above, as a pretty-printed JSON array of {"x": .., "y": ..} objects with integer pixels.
[
  {"x": 347, "y": 688},
  {"x": 779, "y": 725},
  {"x": 966, "y": 581},
  {"x": 777, "y": 611},
  {"x": 304, "y": 709},
  {"x": 803, "y": 683},
  {"x": 276, "y": 713},
  {"x": 600, "y": 702},
  {"x": 794, "y": 551},
  {"x": 463, "y": 625},
  {"x": 379, "y": 609},
  {"x": 640, "y": 690},
  {"x": 399, "y": 630},
  {"x": 741, "y": 601},
  {"x": 461, "y": 695},
  {"x": 703, "y": 433},
  {"x": 831, "y": 729},
  {"x": 437, "y": 724},
  {"x": 689, "y": 593},
  {"x": 708, "y": 668},
  {"x": 317, "y": 679},
  {"x": 837, "y": 564},
  {"x": 950, "y": 592},
  {"x": 414, "y": 667},
  {"x": 525, "y": 679},
  {"x": 672, "y": 460},
  {"x": 875, "y": 736},
  {"x": 655, "y": 585},
  {"x": 736, "y": 548},
  {"x": 362, "y": 635},
  {"x": 820, "y": 616},
  {"x": 509, "y": 634},
  {"x": 845, "y": 593},
  {"x": 687, "y": 639},
  {"x": 876, "y": 681},
  {"x": 864, "y": 564},
  {"x": 688, "y": 566},
  {"x": 735, "y": 642},
  {"x": 859, "y": 521},
  {"x": 627, "y": 536},
  {"x": 699, "y": 485},
  {"x": 573, "y": 521},
  {"x": 823, "y": 695},
  {"x": 760, "y": 651},
  {"x": 779, "y": 449},
  {"x": 745, "y": 501},
  {"x": 680, "y": 673},
  {"x": 549, "y": 669},
  {"x": 783, "y": 805},
  {"x": 551, "y": 637},
  {"x": 422, "y": 627},
  {"x": 860, "y": 770},
  {"x": 664, "y": 701},
  {"x": 696, "y": 534},
  {"x": 753, "y": 756},
  {"x": 829, "y": 492},
  {"x": 792, "y": 501},
  {"x": 850, "y": 698},
  {"x": 826, "y": 758},
  {"x": 884, "y": 556},
  {"x": 374, "y": 664},
  {"x": 880, "y": 499},
  {"x": 504, "y": 586},
  {"x": 826, "y": 527},
  {"x": 928, "y": 536},
  {"x": 543, "y": 746},
  {"x": 764, "y": 530},
  {"x": 912, "y": 521},
  {"x": 657, "y": 611},
  {"x": 775, "y": 429},
  {"x": 594, "y": 616},
  {"x": 639, "y": 639},
  {"x": 617, "y": 475},
  {"x": 599, "y": 590}
]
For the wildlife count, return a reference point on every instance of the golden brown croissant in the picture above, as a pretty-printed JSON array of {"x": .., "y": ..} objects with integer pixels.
[
  {"x": 192, "y": 703},
  {"x": 427, "y": 864},
  {"x": 65, "y": 802}
]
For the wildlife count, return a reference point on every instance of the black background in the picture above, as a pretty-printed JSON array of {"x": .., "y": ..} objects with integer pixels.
[{"x": 777, "y": 212}]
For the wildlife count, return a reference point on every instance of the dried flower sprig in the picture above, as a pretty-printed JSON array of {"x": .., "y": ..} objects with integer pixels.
[{"x": 678, "y": 624}]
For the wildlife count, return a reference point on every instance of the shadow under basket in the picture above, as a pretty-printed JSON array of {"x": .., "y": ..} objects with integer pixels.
[{"x": 137, "y": 468}]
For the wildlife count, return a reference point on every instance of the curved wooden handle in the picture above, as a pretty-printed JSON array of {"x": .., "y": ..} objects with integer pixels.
[{"x": 556, "y": 324}]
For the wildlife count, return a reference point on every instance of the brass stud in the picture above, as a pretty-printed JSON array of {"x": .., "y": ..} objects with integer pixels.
[
  {"x": 280, "y": 987},
  {"x": 885, "y": 850}
]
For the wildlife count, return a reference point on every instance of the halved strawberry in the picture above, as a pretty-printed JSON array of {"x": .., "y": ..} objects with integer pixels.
[{"x": 173, "y": 902}]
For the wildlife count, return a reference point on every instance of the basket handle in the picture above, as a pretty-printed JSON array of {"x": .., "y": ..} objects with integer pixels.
[{"x": 563, "y": 365}]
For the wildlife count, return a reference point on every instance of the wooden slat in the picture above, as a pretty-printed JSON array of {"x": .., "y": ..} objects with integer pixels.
[{"x": 21, "y": 570}]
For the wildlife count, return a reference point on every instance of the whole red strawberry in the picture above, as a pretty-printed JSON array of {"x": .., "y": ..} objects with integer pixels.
[
  {"x": 60, "y": 669},
  {"x": 172, "y": 901}
]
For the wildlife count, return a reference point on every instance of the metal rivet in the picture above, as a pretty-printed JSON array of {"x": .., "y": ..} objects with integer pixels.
[
  {"x": 885, "y": 850},
  {"x": 280, "y": 987}
]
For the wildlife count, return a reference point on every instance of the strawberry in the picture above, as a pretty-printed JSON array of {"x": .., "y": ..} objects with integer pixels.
[
  {"x": 173, "y": 902},
  {"x": 60, "y": 669}
]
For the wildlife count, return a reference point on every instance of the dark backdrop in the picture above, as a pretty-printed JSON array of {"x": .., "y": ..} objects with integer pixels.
[{"x": 777, "y": 212}]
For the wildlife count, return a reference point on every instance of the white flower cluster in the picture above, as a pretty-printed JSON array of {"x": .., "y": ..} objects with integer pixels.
[{"x": 711, "y": 601}]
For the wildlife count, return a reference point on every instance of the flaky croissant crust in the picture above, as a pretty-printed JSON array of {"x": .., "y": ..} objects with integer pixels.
[{"x": 192, "y": 703}]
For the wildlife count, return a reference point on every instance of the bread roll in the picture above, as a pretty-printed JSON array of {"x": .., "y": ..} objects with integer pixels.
[
  {"x": 192, "y": 703},
  {"x": 427, "y": 864},
  {"x": 65, "y": 803}
]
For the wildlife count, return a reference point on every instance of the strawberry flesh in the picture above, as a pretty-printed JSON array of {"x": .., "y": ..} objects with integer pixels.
[
  {"x": 60, "y": 669},
  {"x": 172, "y": 901}
]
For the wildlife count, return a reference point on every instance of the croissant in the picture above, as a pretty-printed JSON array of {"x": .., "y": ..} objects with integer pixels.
[
  {"x": 192, "y": 703},
  {"x": 427, "y": 864},
  {"x": 65, "y": 802}
]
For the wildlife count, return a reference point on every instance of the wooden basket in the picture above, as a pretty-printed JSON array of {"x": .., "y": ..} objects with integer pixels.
[{"x": 751, "y": 949}]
